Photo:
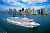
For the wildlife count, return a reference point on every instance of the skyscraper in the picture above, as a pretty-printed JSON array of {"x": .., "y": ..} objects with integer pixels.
[
  {"x": 26, "y": 11},
  {"x": 22, "y": 9},
  {"x": 32, "y": 11},
  {"x": 10, "y": 11},
  {"x": 19, "y": 12},
  {"x": 23, "y": 12},
  {"x": 38, "y": 11},
  {"x": 29, "y": 11},
  {"x": 6, "y": 11},
  {"x": 35, "y": 12},
  {"x": 42, "y": 10},
  {"x": 15, "y": 11}
]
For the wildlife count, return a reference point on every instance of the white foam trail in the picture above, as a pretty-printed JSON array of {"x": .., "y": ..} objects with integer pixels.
[{"x": 20, "y": 24}]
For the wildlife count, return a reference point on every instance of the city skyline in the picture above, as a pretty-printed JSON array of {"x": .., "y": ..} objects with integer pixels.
[
  {"x": 18, "y": 4},
  {"x": 28, "y": 11}
]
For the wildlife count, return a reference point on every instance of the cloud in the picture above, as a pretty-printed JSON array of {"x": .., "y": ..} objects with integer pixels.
[
  {"x": 7, "y": 7},
  {"x": 12, "y": 2},
  {"x": 33, "y": 1},
  {"x": 48, "y": 5},
  {"x": 38, "y": 7},
  {"x": 16, "y": 3},
  {"x": 25, "y": 0},
  {"x": 8, "y": 1},
  {"x": 28, "y": 1}
]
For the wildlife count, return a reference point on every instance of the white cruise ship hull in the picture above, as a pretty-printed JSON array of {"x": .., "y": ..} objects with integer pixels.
[{"x": 25, "y": 24}]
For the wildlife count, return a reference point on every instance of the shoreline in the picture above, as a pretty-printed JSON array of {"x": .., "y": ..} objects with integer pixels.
[{"x": 31, "y": 14}]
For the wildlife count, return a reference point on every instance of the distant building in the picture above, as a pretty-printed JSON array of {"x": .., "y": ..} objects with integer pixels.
[
  {"x": 38, "y": 11},
  {"x": 35, "y": 12},
  {"x": 26, "y": 11},
  {"x": 10, "y": 11},
  {"x": 29, "y": 11},
  {"x": 19, "y": 12},
  {"x": 42, "y": 10},
  {"x": 15, "y": 11},
  {"x": 47, "y": 13},
  {"x": 32, "y": 11},
  {"x": 23, "y": 12},
  {"x": 22, "y": 9},
  {"x": 6, "y": 11}
]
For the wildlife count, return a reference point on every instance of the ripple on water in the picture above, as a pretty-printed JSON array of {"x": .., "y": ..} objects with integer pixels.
[{"x": 2, "y": 30}]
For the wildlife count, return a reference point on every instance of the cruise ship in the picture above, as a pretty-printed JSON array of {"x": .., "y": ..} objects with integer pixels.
[{"x": 23, "y": 21}]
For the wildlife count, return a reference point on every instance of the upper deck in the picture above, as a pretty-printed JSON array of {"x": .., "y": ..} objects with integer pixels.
[{"x": 18, "y": 19}]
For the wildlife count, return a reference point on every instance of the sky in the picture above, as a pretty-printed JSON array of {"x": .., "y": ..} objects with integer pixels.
[{"x": 19, "y": 4}]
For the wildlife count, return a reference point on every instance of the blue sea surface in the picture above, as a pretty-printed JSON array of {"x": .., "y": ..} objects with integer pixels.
[{"x": 43, "y": 20}]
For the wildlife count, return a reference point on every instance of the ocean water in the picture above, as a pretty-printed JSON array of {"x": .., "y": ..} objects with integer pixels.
[{"x": 43, "y": 20}]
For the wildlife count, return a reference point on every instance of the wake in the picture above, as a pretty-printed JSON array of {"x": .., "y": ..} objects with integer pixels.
[
  {"x": 23, "y": 25},
  {"x": 2, "y": 30}
]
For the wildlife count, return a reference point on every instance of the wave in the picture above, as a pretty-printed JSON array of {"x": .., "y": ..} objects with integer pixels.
[
  {"x": 19, "y": 24},
  {"x": 4, "y": 19},
  {"x": 2, "y": 30}
]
